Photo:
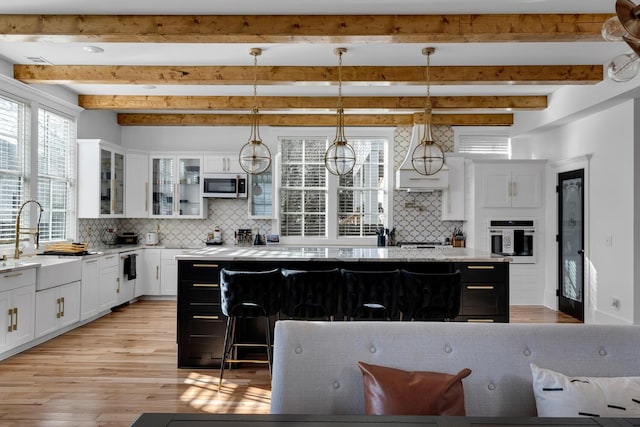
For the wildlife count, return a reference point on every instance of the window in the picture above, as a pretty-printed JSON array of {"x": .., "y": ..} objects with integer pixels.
[
  {"x": 13, "y": 163},
  {"x": 497, "y": 145},
  {"x": 314, "y": 203},
  {"x": 55, "y": 171}
]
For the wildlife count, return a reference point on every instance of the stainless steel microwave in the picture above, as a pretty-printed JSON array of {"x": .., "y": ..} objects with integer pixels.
[{"x": 224, "y": 185}]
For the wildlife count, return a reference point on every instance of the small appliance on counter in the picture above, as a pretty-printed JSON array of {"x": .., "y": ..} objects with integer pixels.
[
  {"x": 151, "y": 238},
  {"x": 127, "y": 238},
  {"x": 110, "y": 236}
]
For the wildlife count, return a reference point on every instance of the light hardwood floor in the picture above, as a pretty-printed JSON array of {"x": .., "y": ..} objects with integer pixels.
[{"x": 108, "y": 372}]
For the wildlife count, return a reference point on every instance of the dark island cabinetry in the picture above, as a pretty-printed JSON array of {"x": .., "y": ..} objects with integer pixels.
[{"x": 201, "y": 324}]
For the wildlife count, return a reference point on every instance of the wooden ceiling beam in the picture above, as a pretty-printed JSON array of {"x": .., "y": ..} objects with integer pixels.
[
  {"x": 272, "y": 75},
  {"x": 288, "y": 103},
  {"x": 303, "y": 28},
  {"x": 128, "y": 119}
]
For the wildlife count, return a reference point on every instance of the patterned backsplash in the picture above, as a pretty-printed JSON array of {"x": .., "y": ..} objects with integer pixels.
[{"x": 416, "y": 215}]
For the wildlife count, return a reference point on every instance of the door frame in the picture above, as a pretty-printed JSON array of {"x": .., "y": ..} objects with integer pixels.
[{"x": 552, "y": 212}]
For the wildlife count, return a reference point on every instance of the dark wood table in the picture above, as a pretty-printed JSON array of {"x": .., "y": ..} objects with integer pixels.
[{"x": 236, "y": 420}]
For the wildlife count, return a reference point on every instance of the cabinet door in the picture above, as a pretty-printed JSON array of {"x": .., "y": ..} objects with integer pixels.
[
  {"x": 138, "y": 193},
  {"x": 496, "y": 185},
  {"x": 261, "y": 195},
  {"x": 106, "y": 166},
  {"x": 108, "y": 284},
  {"x": 163, "y": 187},
  {"x": 70, "y": 304},
  {"x": 222, "y": 163},
  {"x": 5, "y": 318},
  {"x": 169, "y": 272},
  {"x": 526, "y": 186},
  {"x": 24, "y": 300},
  {"x": 89, "y": 294},
  {"x": 118, "y": 184},
  {"x": 189, "y": 189},
  {"x": 150, "y": 284},
  {"x": 48, "y": 307},
  {"x": 453, "y": 196}
]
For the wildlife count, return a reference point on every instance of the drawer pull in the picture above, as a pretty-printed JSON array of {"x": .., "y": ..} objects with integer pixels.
[
  {"x": 206, "y": 265},
  {"x": 207, "y": 317},
  {"x": 480, "y": 320},
  {"x": 206, "y": 285},
  {"x": 481, "y": 287},
  {"x": 481, "y": 267},
  {"x": 9, "y": 276}
]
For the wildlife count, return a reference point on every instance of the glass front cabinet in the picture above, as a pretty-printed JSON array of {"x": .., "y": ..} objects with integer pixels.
[
  {"x": 175, "y": 188},
  {"x": 101, "y": 169},
  {"x": 261, "y": 195}
]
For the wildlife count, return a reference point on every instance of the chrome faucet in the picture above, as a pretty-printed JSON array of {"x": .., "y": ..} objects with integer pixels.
[{"x": 35, "y": 231}]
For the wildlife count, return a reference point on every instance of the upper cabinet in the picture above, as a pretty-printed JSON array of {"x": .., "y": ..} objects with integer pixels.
[
  {"x": 453, "y": 195},
  {"x": 513, "y": 184},
  {"x": 261, "y": 195},
  {"x": 222, "y": 163},
  {"x": 137, "y": 200},
  {"x": 175, "y": 186},
  {"x": 101, "y": 172}
]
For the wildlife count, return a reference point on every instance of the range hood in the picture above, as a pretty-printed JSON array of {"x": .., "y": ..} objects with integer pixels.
[{"x": 409, "y": 180}]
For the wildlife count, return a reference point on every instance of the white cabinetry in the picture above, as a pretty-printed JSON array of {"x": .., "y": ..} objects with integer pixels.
[
  {"x": 57, "y": 308},
  {"x": 175, "y": 186},
  {"x": 101, "y": 179},
  {"x": 513, "y": 185},
  {"x": 17, "y": 308},
  {"x": 222, "y": 163},
  {"x": 261, "y": 195},
  {"x": 453, "y": 196},
  {"x": 90, "y": 292},
  {"x": 169, "y": 271},
  {"x": 151, "y": 272},
  {"x": 137, "y": 185},
  {"x": 108, "y": 282}
]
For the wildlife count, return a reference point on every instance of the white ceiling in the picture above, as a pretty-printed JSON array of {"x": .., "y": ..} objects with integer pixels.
[{"x": 310, "y": 54}]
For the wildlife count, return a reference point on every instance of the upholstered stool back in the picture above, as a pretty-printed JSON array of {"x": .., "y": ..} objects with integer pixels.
[
  {"x": 370, "y": 295},
  {"x": 430, "y": 296},
  {"x": 310, "y": 294}
]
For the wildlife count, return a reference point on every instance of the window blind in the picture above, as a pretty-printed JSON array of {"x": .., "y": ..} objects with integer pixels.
[{"x": 484, "y": 144}]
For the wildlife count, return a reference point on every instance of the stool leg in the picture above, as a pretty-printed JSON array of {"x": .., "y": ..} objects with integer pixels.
[
  {"x": 268, "y": 338},
  {"x": 228, "y": 336}
]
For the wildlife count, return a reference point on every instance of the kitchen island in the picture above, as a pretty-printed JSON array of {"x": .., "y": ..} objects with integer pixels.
[{"x": 201, "y": 324}]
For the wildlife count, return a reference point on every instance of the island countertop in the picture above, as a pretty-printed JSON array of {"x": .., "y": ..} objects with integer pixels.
[{"x": 335, "y": 253}]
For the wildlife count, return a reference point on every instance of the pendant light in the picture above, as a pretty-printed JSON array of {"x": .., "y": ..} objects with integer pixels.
[
  {"x": 625, "y": 26},
  {"x": 255, "y": 156},
  {"x": 340, "y": 158},
  {"x": 427, "y": 158}
]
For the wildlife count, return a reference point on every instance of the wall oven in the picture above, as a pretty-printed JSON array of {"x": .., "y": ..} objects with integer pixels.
[
  {"x": 224, "y": 185},
  {"x": 513, "y": 238}
]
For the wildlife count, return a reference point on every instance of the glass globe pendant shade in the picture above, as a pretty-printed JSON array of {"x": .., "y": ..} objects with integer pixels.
[
  {"x": 623, "y": 67},
  {"x": 340, "y": 158},
  {"x": 612, "y": 30},
  {"x": 255, "y": 157},
  {"x": 427, "y": 158},
  {"x": 628, "y": 14}
]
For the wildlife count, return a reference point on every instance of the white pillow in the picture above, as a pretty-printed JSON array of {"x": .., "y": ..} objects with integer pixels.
[{"x": 558, "y": 395}]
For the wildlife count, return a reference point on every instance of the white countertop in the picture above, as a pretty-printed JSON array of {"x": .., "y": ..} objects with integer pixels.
[{"x": 277, "y": 252}]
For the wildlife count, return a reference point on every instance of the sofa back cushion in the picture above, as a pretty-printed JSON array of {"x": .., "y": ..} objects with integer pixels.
[{"x": 315, "y": 369}]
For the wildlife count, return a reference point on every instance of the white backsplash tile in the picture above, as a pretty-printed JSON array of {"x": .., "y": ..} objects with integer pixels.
[{"x": 416, "y": 215}]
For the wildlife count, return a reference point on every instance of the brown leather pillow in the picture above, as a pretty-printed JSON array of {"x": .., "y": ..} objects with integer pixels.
[{"x": 390, "y": 391}]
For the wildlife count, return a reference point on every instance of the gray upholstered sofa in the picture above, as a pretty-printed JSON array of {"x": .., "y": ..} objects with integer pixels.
[{"x": 315, "y": 363}]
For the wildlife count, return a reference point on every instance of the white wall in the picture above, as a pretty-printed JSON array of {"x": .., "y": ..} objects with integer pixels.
[
  {"x": 609, "y": 136},
  {"x": 99, "y": 125}
]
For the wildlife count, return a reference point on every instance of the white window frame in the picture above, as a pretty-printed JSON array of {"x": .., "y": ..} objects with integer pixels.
[
  {"x": 36, "y": 99},
  {"x": 481, "y": 134},
  {"x": 332, "y": 238}
]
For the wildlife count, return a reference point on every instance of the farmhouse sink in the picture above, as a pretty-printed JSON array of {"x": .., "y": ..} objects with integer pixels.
[{"x": 54, "y": 271}]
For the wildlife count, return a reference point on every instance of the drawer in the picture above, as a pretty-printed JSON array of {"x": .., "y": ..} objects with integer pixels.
[
  {"x": 484, "y": 299},
  {"x": 482, "y": 319},
  {"x": 484, "y": 272},
  {"x": 18, "y": 278},
  {"x": 206, "y": 271},
  {"x": 108, "y": 261},
  {"x": 199, "y": 292}
]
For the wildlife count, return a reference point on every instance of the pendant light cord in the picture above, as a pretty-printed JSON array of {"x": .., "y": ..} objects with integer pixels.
[
  {"x": 427, "y": 104},
  {"x": 255, "y": 118}
]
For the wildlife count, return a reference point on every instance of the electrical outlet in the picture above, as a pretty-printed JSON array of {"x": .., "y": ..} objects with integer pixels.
[
  {"x": 615, "y": 303},
  {"x": 608, "y": 240}
]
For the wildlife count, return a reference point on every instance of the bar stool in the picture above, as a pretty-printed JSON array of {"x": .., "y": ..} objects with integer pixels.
[
  {"x": 248, "y": 294},
  {"x": 430, "y": 296},
  {"x": 370, "y": 295},
  {"x": 310, "y": 294}
]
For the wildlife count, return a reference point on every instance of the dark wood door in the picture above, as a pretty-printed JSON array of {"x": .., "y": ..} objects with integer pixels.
[{"x": 571, "y": 243}]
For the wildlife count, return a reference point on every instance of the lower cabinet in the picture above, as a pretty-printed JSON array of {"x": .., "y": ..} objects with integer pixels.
[
  {"x": 90, "y": 289},
  {"x": 108, "y": 281},
  {"x": 57, "y": 308},
  {"x": 17, "y": 308},
  {"x": 150, "y": 284},
  {"x": 484, "y": 293},
  {"x": 201, "y": 324}
]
